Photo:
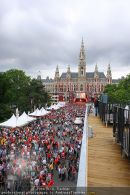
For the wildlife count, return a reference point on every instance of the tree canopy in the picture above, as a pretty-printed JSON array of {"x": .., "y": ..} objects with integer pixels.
[
  {"x": 17, "y": 90},
  {"x": 119, "y": 93}
]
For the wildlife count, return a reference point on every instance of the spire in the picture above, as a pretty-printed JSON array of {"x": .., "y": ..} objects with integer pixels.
[
  {"x": 96, "y": 71},
  {"x": 68, "y": 75},
  {"x": 109, "y": 75},
  {"x": 57, "y": 73},
  {"x": 96, "y": 68},
  {"x": 57, "y": 68},
  {"x": 82, "y": 42},
  {"x": 68, "y": 69},
  {"x": 39, "y": 75},
  {"x": 82, "y": 51},
  {"x": 109, "y": 71},
  {"x": 82, "y": 61}
]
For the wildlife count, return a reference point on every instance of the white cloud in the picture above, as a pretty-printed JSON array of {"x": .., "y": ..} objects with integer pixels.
[{"x": 38, "y": 35}]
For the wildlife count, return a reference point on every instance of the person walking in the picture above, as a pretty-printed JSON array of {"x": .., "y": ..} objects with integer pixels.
[{"x": 96, "y": 105}]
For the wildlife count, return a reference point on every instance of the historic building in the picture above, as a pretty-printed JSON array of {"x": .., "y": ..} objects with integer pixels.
[{"x": 81, "y": 84}]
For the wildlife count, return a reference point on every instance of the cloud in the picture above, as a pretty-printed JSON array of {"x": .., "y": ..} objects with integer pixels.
[{"x": 38, "y": 35}]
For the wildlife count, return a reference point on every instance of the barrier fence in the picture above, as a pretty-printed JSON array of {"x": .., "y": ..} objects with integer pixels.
[
  {"x": 119, "y": 117},
  {"x": 106, "y": 111},
  {"x": 121, "y": 129}
]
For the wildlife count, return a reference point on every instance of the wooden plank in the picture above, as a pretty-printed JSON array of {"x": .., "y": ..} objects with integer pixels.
[{"x": 106, "y": 168}]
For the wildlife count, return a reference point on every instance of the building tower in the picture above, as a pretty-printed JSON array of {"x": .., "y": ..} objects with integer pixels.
[
  {"x": 109, "y": 75},
  {"x": 39, "y": 76},
  {"x": 57, "y": 74},
  {"x": 82, "y": 62},
  {"x": 96, "y": 75},
  {"x": 68, "y": 75}
]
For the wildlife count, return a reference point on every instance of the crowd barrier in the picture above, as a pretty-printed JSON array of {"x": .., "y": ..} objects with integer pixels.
[{"x": 121, "y": 129}]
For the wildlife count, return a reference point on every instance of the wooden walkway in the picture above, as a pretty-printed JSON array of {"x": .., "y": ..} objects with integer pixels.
[{"x": 106, "y": 168}]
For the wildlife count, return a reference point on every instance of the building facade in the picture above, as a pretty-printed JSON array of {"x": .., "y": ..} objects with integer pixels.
[{"x": 81, "y": 84}]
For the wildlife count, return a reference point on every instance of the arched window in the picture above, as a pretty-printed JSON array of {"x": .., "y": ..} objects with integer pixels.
[
  {"x": 81, "y": 87},
  {"x": 74, "y": 87}
]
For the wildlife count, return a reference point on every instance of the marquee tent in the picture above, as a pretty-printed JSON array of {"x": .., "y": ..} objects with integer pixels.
[
  {"x": 10, "y": 122},
  {"x": 23, "y": 120},
  {"x": 61, "y": 104},
  {"x": 38, "y": 112},
  {"x": 17, "y": 122},
  {"x": 44, "y": 112},
  {"x": 54, "y": 107}
]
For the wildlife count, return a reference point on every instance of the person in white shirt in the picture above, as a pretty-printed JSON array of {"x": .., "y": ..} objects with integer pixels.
[
  {"x": 126, "y": 113},
  {"x": 44, "y": 161},
  {"x": 36, "y": 182}
]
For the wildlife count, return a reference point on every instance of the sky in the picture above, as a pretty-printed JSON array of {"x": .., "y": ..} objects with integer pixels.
[{"x": 36, "y": 35}]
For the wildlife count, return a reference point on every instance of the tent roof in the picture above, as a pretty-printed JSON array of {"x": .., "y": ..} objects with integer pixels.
[
  {"x": 38, "y": 112},
  {"x": 14, "y": 122},
  {"x": 10, "y": 122},
  {"x": 24, "y": 119}
]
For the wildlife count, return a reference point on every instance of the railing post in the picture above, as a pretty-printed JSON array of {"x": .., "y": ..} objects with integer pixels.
[{"x": 114, "y": 120}]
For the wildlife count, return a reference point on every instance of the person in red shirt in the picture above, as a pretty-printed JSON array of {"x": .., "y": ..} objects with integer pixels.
[
  {"x": 48, "y": 147},
  {"x": 49, "y": 156},
  {"x": 50, "y": 183},
  {"x": 56, "y": 163}
]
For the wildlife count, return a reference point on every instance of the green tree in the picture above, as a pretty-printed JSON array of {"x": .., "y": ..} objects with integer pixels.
[
  {"x": 2, "y": 87},
  {"x": 20, "y": 91},
  {"x": 5, "y": 110},
  {"x": 16, "y": 94},
  {"x": 37, "y": 95},
  {"x": 119, "y": 93}
]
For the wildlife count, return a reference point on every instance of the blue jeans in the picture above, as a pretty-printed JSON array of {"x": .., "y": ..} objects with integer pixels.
[{"x": 96, "y": 111}]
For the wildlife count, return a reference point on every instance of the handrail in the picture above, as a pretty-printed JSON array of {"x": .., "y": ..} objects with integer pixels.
[{"x": 83, "y": 165}]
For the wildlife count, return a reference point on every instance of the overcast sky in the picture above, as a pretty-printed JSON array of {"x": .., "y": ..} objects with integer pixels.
[{"x": 36, "y": 35}]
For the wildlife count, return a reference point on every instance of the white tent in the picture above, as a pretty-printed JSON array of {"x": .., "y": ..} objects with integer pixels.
[
  {"x": 38, "y": 112},
  {"x": 61, "y": 104},
  {"x": 43, "y": 111},
  {"x": 17, "y": 122},
  {"x": 10, "y": 122},
  {"x": 54, "y": 107},
  {"x": 23, "y": 120}
]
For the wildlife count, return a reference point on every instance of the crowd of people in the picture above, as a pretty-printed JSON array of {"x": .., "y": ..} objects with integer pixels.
[{"x": 43, "y": 154}]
